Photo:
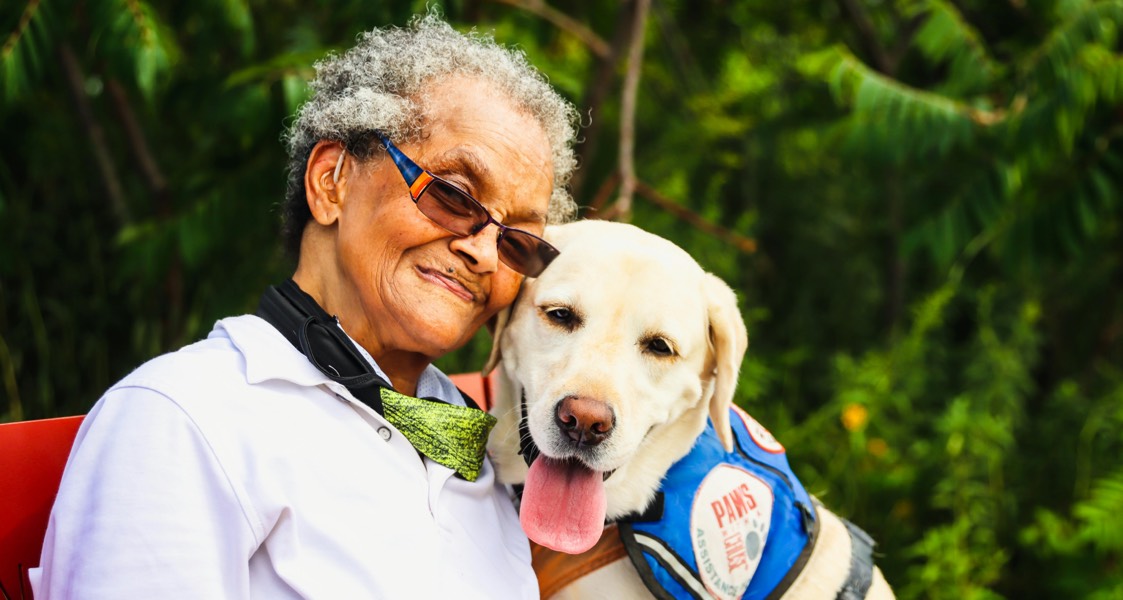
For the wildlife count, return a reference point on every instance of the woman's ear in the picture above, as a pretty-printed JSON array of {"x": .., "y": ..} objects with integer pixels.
[{"x": 325, "y": 178}]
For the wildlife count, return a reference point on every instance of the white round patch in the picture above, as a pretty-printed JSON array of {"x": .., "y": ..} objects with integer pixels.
[
  {"x": 729, "y": 525},
  {"x": 760, "y": 435}
]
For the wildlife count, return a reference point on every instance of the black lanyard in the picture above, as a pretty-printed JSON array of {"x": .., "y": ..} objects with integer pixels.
[{"x": 317, "y": 335}]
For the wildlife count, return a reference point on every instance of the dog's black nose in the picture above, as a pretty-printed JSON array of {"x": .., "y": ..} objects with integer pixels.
[{"x": 586, "y": 421}]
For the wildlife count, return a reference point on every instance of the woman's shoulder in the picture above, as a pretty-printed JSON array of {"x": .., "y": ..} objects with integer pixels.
[
  {"x": 210, "y": 360},
  {"x": 238, "y": 383},
  {"x": 238, "y": 353}
]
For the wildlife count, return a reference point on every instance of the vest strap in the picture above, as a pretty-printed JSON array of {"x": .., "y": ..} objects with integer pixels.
[
  {"x": 811, "y": 526},
  {"x": 555, "y": 569},
  {"x": 639, "y": 543},
  {"x": 860, "y": 577}
]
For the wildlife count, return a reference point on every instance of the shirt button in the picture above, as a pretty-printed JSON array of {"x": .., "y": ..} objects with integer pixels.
[{"x": 384, "y": 432}]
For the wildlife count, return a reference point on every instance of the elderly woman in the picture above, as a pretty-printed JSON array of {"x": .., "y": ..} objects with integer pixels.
[{"x": 288, "y": 455}]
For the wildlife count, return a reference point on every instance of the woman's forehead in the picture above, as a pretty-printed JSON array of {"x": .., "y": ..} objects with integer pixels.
[
  {"x": 477, "y": 111},
  {"x": 463, "y": 161}
]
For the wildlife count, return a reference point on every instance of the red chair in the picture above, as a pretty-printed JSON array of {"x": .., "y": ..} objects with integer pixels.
[
  {"x": 32, "y": 457},
  {"x": 481, "y": 389}
]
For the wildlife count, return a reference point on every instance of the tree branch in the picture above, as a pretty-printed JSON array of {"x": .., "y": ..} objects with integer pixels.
[
  {"x": 75, "y": 81},
  {"x": 867, "y": 33},
  {"x": 21, "y": 28},
  {"x": 8, "y": 373},
  {"x": 139, "y": 144},
  {"x": 906, "y": 31},
  {"x": 595, "y": 94},
  {"x": 679, "y": 48},
  {"x": 623, "y": 208},
  {"x": 742, "y": 243},
  {"x": 161, "y": 196},
  {"x": 565, "y": 23},
  {"x": 604, "y": 192}
]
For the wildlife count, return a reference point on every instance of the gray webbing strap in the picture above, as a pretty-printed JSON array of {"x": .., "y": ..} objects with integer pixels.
[{"x": 860, "y": 578}]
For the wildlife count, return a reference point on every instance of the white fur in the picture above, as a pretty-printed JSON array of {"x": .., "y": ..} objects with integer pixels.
[{"x": 626, "y": 287}]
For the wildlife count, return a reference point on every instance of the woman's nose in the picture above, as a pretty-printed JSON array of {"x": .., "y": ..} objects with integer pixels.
[{"x": 481, "y": 250}]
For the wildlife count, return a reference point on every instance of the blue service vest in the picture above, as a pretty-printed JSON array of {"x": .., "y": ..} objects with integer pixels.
[{"x": 733, "y": 524}]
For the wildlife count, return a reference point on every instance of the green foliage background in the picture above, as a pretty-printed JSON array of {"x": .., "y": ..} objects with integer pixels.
[{"x": 935, "y": 301}]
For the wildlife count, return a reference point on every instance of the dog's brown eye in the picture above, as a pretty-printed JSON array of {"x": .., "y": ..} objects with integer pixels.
[
  {"x": 659, "y": 347},
  {"x": 562, "y": 316}
]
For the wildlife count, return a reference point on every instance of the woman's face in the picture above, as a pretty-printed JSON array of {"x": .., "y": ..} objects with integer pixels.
[{"x": 420, "y": 288}]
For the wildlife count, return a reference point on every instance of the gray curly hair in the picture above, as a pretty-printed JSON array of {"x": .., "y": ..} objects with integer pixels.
[{"x": 376, "y": 86}]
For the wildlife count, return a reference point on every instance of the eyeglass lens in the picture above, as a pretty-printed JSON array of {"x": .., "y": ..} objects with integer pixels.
[{"x": 459, "y": 213}]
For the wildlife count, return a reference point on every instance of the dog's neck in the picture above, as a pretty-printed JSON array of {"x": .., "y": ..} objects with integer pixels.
[
  {"x": 631, "y": 487},
  {"x": 503, "y": 443}
]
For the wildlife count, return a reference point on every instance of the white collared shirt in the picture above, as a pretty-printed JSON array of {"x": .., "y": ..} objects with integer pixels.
[{"x": 232, "y": 468}]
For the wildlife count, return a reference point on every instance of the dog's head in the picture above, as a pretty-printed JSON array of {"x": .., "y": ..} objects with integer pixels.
[{"x": 621, "y": 349}]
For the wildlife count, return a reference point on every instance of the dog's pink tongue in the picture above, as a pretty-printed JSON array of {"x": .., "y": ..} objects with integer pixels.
[{"x": 563, "y": 505}]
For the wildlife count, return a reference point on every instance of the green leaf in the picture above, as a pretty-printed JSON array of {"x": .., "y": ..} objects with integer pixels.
[
  {"x": 240, "y": 18},
  {"x": 910, "y": 120},
  {"x": 946, "y": 36},
  {"x": 288, "y": 64},
  {"x": 133, "y": 33},
  {"x": 20, "y": 62},
  {"x": 1083, "y": 23},
  {"x": 296, "y": 92}
]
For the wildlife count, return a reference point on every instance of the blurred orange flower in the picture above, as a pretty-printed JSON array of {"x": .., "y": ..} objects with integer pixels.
[{"x": 854, "y": 417}]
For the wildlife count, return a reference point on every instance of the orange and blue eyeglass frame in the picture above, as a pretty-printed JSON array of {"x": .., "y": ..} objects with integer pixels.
[{"x": 458, "y": 212}]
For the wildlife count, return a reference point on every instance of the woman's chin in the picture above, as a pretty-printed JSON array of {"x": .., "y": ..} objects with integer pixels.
[{"x": 444, "y": 333}]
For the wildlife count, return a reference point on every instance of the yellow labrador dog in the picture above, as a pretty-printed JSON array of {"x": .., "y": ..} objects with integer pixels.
[{"x": 618, "y": 368}]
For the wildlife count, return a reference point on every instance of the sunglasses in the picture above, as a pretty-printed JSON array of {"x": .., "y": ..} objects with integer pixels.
[{"x": 462, "y": 215}]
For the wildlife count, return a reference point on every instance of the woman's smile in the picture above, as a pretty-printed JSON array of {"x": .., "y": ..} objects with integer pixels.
[{"x": 451, "y": 284}]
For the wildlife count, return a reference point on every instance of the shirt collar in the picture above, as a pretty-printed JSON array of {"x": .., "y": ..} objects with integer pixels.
[
  {"x": 268, "y": 355},
  {"x": 431, "y": 384}
]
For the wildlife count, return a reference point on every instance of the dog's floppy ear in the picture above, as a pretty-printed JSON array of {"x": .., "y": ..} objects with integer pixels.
[
  {"x": 728, "y": 341},
  {"x": 496, "y": 325}
]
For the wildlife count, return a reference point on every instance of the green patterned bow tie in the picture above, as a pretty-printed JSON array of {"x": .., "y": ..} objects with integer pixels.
[{"x": 454, "y": 436}]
